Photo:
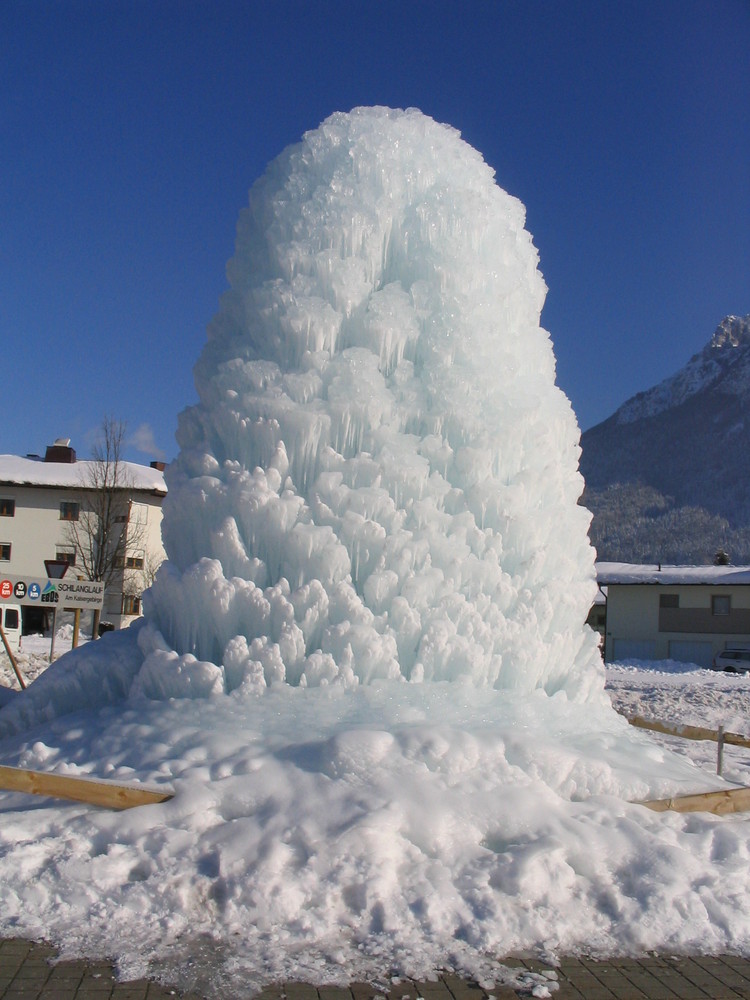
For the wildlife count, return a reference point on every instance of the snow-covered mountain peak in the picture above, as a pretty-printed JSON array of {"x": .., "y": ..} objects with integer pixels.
[
  {"x": 733, "y": 331},
  {"x": 729, "y": 346},
  {"x": 666, "y": 475}
]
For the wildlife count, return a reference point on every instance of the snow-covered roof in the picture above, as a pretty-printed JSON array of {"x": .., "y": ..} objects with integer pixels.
[
  {"x": 628, "y": 573},
  {"x": 33, "y": 471}
]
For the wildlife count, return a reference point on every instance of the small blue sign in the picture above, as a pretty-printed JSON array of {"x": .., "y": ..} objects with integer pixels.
[{"x": 34, "y": 591}]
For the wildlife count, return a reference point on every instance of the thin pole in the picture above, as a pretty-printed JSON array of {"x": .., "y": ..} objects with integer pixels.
[{"x": 52, "y": 642}]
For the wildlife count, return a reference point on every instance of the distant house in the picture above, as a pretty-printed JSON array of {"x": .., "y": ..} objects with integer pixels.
[
  {"x": 685, "y": 613},
  {"x": 40, "y": 497}
]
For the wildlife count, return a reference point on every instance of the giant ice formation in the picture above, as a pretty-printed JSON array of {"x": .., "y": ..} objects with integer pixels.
[
  {"x": 380, "y": 479},
  {"x": 377, "y": 487}
]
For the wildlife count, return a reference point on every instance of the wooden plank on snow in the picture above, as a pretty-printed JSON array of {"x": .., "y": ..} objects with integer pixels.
[
  {"x": 688, "y": 732},
  {"x": 722, "y": 802},
  {"x": 94, "y": 791}
]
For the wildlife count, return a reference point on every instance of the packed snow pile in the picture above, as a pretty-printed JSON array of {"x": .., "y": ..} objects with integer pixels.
[{"x": 364, "y": 668}]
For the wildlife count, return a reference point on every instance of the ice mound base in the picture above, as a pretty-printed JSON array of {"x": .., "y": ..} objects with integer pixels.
[{"x": 364, "y": 669}]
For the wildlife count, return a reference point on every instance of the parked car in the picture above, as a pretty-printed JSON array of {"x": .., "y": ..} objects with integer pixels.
[
  {"x": 735, "y": 661},
  {"x": 10, "y": 619}
]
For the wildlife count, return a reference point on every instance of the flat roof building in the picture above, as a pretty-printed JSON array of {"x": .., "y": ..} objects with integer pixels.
[{"x": 684, "y": 613}]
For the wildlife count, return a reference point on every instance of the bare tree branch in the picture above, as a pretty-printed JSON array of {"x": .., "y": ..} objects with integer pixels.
[{"x": 105, "y": 532}]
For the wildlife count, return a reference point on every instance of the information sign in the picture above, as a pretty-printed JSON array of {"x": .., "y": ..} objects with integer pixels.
[{"x": 36, "y": 591}]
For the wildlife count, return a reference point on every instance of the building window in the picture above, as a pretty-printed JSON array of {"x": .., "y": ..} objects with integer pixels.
[
  {"x": 4, "y": 551},
  {"x": 669, "y": 600},
  {"x": 7, "y": 507},
  {"x": 66, "y": 555},
  {"x": 721, "y": 604},
  {"x": 131, "y": 605},
  {"x": 69, "y": 510},
  {"x": 133, "y": 561}
]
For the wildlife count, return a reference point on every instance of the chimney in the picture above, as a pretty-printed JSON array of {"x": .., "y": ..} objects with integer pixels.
[
  {"x": 60, "y": 452},
  {"x": 161, "y": 466}
]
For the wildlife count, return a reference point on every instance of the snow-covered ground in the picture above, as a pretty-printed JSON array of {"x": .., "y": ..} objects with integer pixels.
[
  {"x": 33, "y": 659},
  {"x": 328, "y": 834},
  {"x": 684, "y": 694}
]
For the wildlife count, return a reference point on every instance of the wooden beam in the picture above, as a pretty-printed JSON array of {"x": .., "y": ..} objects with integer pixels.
[
  {"x": 688, "y": 732},
  {"x": 730, "y": 800},
  {"x": 94, "y": 791}
]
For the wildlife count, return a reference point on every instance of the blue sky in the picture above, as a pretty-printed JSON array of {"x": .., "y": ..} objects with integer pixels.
[{"x": 131, "y": 131}]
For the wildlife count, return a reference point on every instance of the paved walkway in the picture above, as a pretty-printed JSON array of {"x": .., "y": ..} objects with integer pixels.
[{"x": 28, "y": 972}]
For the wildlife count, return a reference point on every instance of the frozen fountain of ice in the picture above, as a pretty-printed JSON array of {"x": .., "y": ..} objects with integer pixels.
[
  {"x": 364, "y": 669},
  {"x": 380, "y": 478}
]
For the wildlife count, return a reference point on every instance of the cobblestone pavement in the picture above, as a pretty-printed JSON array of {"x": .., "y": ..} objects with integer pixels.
[{"x": 28, "y": 971}]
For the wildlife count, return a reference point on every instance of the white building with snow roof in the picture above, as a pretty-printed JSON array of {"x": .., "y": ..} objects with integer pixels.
[
  {"x": 684, "y": 613},
  {"x": 41, "y": 496}
]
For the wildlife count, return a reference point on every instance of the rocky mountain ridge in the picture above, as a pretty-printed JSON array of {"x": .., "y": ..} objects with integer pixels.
[
  {"x": 722, "y": 365},
  {"x": 667, "y": 475}
]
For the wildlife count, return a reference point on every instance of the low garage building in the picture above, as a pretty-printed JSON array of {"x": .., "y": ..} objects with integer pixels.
[{"x": 685, "y": 613}]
